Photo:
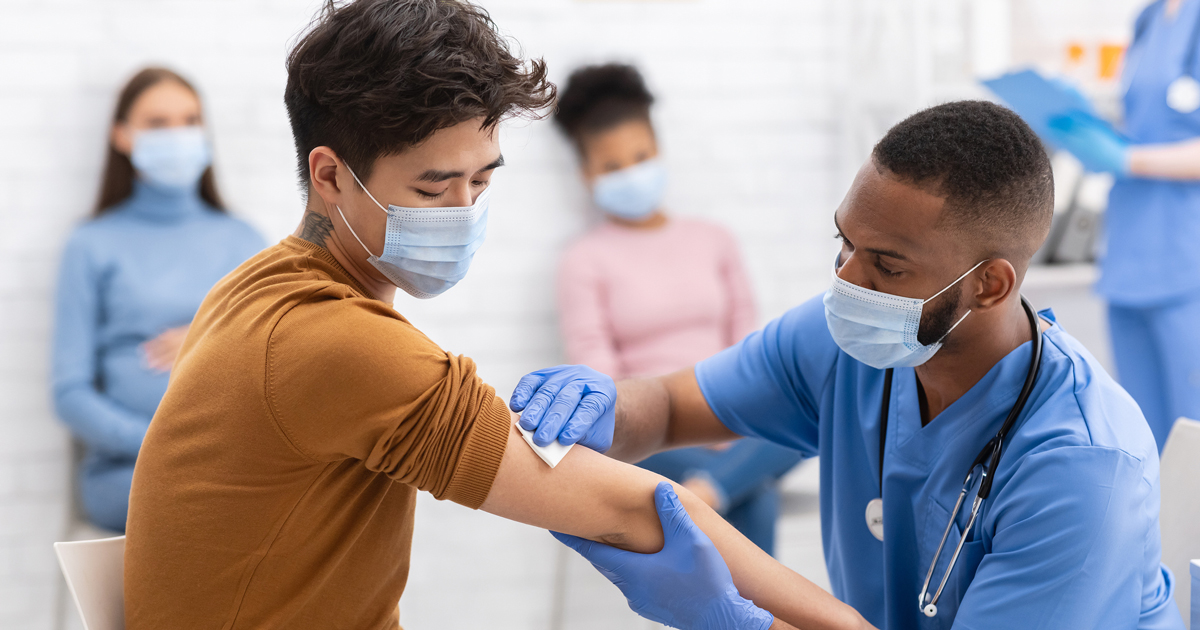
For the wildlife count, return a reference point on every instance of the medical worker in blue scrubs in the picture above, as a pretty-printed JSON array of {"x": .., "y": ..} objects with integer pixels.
[
  {"x": 937, "y": 232},
  {"x": 1150, "y": 274}
]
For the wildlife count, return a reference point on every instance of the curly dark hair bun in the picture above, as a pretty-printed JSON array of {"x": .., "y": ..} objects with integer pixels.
[
  {"x": 374, "y": 77},
  {"x": 597, "y": 98}
]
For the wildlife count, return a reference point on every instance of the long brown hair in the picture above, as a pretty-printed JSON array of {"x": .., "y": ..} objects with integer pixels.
[{"x": 117, "y": 183}]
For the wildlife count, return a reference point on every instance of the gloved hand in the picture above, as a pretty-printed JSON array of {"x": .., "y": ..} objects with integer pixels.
[
  {"x": 1100, "y": 150},
  {"x": 686, "y": 585},
  {"x": 571, "y": 403}
]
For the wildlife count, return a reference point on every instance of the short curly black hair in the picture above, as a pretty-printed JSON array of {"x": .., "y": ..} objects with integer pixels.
[
  {"x": 988, "y": 164},
  {"x": 597, "y": 98},
  {"x": 374, "y": 77}
]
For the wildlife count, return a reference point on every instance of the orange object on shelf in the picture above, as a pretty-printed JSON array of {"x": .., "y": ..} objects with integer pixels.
[
  {"x": 1075, "y": 52},
  {"x": 1110, "y": 60}
]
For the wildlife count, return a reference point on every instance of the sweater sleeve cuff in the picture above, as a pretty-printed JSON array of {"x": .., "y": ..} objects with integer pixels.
[{"x": 481, "y": 455}]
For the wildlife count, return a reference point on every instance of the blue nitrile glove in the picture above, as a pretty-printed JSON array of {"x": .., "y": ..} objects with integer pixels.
[
  {"x": 1100, "y": 150},
  {"x": 572, "y": 403},
  {"x": 686, "y": 585},
  {"x": 1081, "y": 102}
]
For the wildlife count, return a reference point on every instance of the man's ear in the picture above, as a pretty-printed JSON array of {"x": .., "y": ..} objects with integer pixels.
[
  {"x": 323, "y": 168},
  {"x": 997, "y": 280}
]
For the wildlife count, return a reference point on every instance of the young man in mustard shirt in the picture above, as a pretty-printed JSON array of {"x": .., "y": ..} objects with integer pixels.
[{"x": 276, "y": 485}]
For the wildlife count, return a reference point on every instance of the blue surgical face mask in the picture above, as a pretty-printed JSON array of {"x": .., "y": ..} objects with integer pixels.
[
  {"x": 880, "y": 329},
  {"x": 172, "y": 158},
  {"x": 631, "y": 193},
  {"x": 427, "y": 250}
]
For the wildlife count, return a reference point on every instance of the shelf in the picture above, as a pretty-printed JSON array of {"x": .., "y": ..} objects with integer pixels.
[{"x": 1061, "y": 276}]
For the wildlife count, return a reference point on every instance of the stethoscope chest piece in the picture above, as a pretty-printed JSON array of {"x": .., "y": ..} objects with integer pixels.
[
  {"x": 875, "y": 518},
  {"x": 1183, "y": 95}
]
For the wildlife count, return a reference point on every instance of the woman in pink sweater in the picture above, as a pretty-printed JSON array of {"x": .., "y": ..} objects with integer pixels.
[{"x": 644, "y": 294}]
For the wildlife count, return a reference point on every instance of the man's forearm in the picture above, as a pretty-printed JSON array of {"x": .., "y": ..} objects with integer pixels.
[
  {"x": 592, "y": 496},
  {"x": 643, "y": 411},
  {"x": 665, "y": 412},
  {"x": 760, "y": 578},
  {"x": 1176, "y": 161}
]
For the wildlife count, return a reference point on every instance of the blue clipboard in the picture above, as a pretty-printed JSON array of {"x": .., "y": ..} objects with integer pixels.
[{"x": 1039, "y": 100}]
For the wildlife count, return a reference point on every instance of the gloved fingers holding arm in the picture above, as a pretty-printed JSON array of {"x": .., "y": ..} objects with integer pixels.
[{"x": 685, "y": 585}]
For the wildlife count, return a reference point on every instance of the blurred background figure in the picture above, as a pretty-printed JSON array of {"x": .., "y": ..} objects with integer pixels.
[
  {"x": 133, "y": 276},
  {"x": 1150, "y": 274},
  {"x": 643, "y": 293}
]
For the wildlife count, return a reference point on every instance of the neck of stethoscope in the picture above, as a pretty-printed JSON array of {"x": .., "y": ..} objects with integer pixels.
[
  {"x": 988, "y": 460},
  {"x": 997, "y": 441}
]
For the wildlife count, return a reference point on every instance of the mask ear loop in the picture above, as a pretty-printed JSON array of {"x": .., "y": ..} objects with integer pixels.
[
  {"x": 960, "y": 320},
  {"x": 969, "y": 271},
  {"x": 364, "y": 245},
  {"x": 364, "y": 188},
  {"x": 339, "y": 209}
]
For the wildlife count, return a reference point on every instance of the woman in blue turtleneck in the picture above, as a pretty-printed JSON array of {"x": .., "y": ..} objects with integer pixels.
[{"x": 132, "y": 278}]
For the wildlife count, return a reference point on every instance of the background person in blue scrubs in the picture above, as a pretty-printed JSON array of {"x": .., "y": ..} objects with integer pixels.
[
  {"x": 948, "y": 211},
  {"x": 1151, "y": 269},
  {"x": 132, "y": 278}
]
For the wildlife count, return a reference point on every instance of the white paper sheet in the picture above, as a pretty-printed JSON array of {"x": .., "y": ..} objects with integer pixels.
[{"x": 551, "y": 453}]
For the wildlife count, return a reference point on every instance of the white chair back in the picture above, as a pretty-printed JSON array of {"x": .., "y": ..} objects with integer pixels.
[
  {"x": 1179, "y": 515},
  {"x": 95, "y": 573}
]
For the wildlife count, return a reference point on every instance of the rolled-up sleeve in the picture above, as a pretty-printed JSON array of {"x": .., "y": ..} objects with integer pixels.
[{"x": 349, "y": 379}]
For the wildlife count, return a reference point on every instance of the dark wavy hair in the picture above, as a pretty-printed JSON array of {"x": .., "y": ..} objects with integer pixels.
[
  {"x": 598, "y": 98},
  {"x": 116, "y": 184},
  {"x": 374, "y": 77}
]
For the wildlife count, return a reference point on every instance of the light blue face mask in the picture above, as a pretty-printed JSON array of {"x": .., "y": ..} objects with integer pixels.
[
  {"x": 172, "y": 158},
  {"x": 633, "y": 192},
  {"x": 880, "y": 329},
  {"x": 427, "y": 250}
]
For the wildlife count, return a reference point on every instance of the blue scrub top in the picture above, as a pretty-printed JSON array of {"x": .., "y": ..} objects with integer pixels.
[
  {"x": 1153, "y": 226},
  {"x": 1069, "y": 537}
]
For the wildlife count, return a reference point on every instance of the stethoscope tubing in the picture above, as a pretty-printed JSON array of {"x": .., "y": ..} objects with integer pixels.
[{"x": 988, "y": 458}]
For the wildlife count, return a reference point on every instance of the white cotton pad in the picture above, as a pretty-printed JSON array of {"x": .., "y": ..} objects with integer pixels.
[{"x": 551, "y": 453}]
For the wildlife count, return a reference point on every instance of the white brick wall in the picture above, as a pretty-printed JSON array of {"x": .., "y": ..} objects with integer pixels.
[{"x": 750, "y": 116}]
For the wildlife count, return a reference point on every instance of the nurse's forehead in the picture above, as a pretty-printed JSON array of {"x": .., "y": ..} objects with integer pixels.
[{"x": 883, "y": 212}]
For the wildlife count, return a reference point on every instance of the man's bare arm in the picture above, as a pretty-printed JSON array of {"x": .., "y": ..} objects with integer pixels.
[
  {"x": 657, "y": 414},
  {"x": 594, "y": 497}
]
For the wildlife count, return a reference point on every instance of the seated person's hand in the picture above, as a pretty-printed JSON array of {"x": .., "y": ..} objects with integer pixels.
[
  {"x": 686, "y": 585},
  {"x": 570, "y": 403},
  {"x": 162, "y": 350},
  {"x": 706, "y": 491}
]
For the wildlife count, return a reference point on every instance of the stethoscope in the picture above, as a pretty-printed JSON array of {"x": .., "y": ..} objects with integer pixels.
[
  {"x": 986, "y": 462},
  {"x": 1183, "y": 94}
]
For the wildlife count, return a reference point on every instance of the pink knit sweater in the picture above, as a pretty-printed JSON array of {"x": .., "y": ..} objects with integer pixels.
[{"x": 641, "y": 302}]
